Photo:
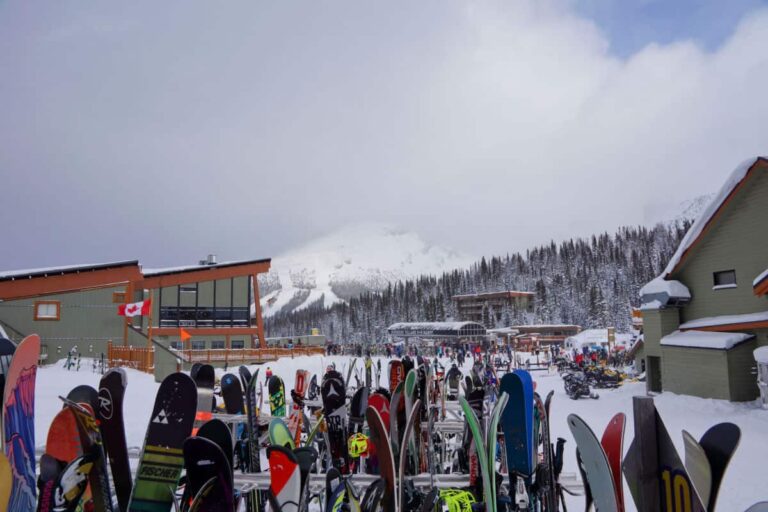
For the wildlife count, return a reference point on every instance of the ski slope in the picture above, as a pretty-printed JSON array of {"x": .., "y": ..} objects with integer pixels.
[{"x": 743, "y": 484}]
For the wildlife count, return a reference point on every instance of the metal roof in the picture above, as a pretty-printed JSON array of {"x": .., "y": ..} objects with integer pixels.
[
  {"x": 151, "y": 272},
  {"x": 437, "y": 329},
  {"x": 12, "y": 275}
]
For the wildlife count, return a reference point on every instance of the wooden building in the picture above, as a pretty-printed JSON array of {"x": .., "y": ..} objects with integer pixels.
[
  {"x": 489, "y": 308},
  {"x": 76, "y": 306},
  {"x": 707, "y": 312}
]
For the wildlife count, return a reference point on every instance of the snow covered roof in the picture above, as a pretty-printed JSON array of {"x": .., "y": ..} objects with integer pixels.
[
  {"x": 711, "y": 211},
  {"x": 10, "y": 275},
  {"x": 427, "y": 329},
  {"x": 760, "y": 284},
  {"x": 661, "y": 292},
  {"x": 149, "y": 272},
  {"x": 493, "y": 295},
  {"x": 713, "y": 321},
  {"x": 705, "y": 339}
]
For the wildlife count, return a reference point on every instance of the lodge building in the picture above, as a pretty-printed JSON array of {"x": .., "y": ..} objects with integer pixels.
[
  {"x": 75, "y": 307},
  {"x": 704, "y": 316},
  {"x": 488, "y": 308}
]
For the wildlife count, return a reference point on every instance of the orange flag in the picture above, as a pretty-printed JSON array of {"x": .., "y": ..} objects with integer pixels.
[{"x": 185, "y": 336}]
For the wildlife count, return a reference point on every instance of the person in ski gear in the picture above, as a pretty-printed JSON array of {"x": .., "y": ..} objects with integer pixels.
[{"x": 268, "y": 374}]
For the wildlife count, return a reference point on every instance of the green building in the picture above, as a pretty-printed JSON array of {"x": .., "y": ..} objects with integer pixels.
[
  {"x": 708, "y": 311},
  {"x": 75, "y": 308}
]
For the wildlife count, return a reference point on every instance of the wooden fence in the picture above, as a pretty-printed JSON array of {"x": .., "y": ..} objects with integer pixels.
[{"x": 143, "y": 358}]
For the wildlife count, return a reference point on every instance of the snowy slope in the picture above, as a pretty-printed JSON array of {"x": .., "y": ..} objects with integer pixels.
[{"x": 349, "y": 261}]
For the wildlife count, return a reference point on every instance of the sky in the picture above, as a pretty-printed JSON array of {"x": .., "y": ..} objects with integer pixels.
[{"x": 164, "y": 131}]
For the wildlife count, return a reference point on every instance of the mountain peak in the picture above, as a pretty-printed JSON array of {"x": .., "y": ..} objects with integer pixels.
[{"x": 346, "y": 262}]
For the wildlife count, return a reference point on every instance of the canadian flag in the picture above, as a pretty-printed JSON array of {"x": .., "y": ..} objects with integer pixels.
[{"x": 134, "y": 309}]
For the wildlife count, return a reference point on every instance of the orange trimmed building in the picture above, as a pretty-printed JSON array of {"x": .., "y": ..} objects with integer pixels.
[
  {"x": 708, "y": 311},
  {"x": 74, "y": 308}
]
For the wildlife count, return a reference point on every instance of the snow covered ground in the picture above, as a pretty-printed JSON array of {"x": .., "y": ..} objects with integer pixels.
[{"x": 744, "y": 480}]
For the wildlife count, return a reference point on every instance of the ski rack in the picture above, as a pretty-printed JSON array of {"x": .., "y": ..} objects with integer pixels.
[{"x": 261, "y": 481}]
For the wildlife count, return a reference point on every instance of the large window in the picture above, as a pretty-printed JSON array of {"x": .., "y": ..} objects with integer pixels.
[
  {"x": 218, "y": 344},
  {"x": 198, "y": 345},
  {"x": 47, "y": 310},
  {"x": 171, "y": 316},
  {"x": 725, "y": 279},
  {"x": 238, "y": 344}
]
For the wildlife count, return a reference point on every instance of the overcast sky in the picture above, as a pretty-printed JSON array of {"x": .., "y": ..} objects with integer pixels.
[{"x": 164, "y": 131}]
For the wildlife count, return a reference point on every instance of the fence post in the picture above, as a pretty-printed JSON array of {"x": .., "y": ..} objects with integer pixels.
[{"x": 647, "y": 447}]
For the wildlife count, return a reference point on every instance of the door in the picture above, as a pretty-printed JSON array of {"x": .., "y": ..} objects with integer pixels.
[{"x": 653, "y": 373}]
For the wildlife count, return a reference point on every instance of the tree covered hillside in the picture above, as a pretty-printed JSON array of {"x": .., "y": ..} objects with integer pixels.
[{"x": 589, "y": 282}]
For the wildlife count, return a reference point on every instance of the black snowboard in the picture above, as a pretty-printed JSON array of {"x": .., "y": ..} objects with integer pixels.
[
  {"x": 110, "y": 416},
  {"x": 205, "y": 378},
  {"x": 84, "y": 394},
  {"x": 161, "y": 459},
  {"x": 7, "y": 348},
  {"x": 193, "y": 371},
  {"x": 232, "y": 393},
  {"x": 217, "y": 431},
  {"x": 334, "y": 396},
  {"x": 245, "y": 376},
  {"x": 50, "y": 469},
  {"x": 719, "y": 443},
  {"x": 203, "y": 460},
  {"x": 357, "y": 410}
]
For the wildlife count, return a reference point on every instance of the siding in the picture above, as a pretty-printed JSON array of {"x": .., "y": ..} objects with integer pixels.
[
  {"x": 741, "y": 364},
  {"x": 656, "y": 325},
  {"x": 738, "y": 240},
  {"x": 88, "y": 319},
  {"x": 693, "y": 371}
]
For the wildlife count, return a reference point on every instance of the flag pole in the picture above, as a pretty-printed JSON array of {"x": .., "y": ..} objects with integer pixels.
[{"x": 149, "y": 327}]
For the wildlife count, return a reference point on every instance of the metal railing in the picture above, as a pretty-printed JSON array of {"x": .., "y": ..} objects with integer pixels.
[{"x": 142, "y": 358}]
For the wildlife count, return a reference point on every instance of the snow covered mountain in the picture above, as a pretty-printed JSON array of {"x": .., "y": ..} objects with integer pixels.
[{"x": 348, "y": 262}]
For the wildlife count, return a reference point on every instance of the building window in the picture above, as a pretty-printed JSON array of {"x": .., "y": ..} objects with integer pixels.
[
  {"x": 218, "y": 344},
  {"x": 47, "y": 310},
  {"x": 238, "y": 343},
  {"x": 198, "y": 345},
  {"x": 188, "y": 288},
  {"x": 725, "y": 279},
  {"x": 118, "y": 297},
  {"x": 177, "y": 345}
]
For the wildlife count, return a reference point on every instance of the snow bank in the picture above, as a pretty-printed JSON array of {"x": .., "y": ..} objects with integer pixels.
[
  {"x": 712, "y": 321},
  {"x": 674, "y": 289},
  {"x": 698, "y": 226},
  {"x": 705, "y": 339},
  {"x": 761, "y": 355}
]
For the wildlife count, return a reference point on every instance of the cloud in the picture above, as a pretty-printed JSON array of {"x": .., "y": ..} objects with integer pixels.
[{"x": 246, "y": 130}]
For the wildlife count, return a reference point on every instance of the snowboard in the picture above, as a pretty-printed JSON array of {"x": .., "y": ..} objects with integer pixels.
[
  {"x": 596, "y": 465},
  {"x": 333, "y": 392},
  {"x": 517, "y": 423},
  {"x": 276, "y": 396},
  {"x": 161, "y": 460},
  {"x": 232, "y": 393},
  {"x": 285, "y": 479},
  {"x": 204, "y": 380},
  {"x": 92, "y": 447},
  {"x": 217, "y": 431},
  {"x": 719, "y": 443},
  {"x": 698, "y": 467},
  {"x": 18, "y": 432},
  {"x": 110, "y": 415},
  {"x": 245, "y": 376},
  {"x": 203, "y": 460}
]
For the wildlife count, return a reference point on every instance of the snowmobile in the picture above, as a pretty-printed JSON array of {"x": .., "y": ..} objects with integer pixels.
[{"x": 576, "y": 386}]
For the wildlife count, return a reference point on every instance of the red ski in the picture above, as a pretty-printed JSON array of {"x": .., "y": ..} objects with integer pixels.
[{"x": 613, "y": 445}]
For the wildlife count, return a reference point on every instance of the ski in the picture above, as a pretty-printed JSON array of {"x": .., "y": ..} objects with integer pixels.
[{"x": 161, "y": 460}]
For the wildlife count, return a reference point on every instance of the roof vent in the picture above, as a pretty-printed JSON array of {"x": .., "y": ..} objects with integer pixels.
[{"x": 210, "y": 260}]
